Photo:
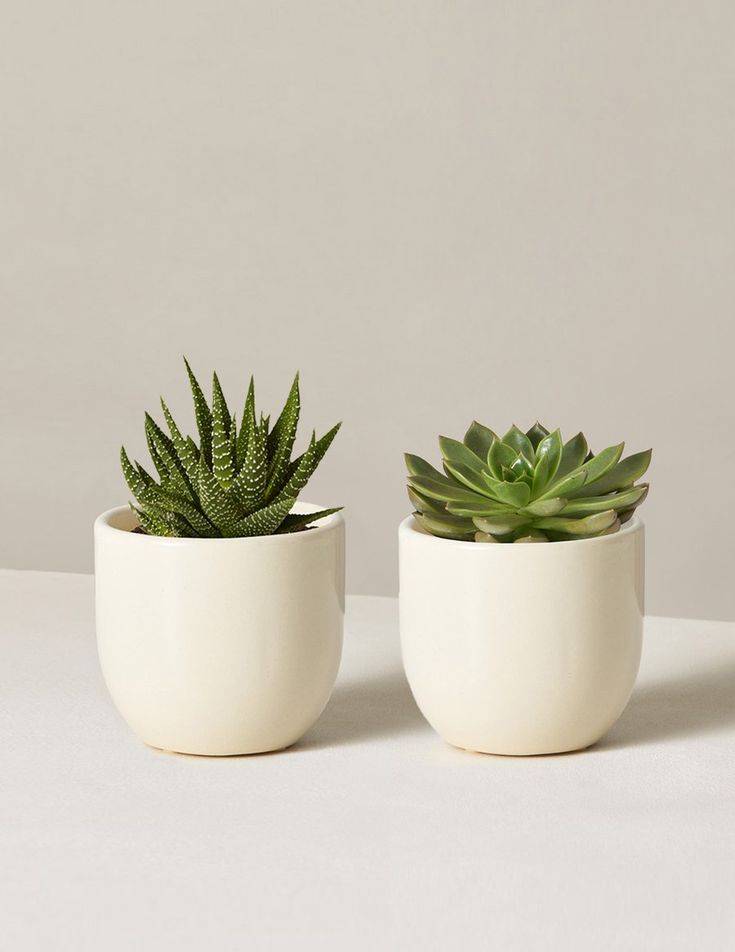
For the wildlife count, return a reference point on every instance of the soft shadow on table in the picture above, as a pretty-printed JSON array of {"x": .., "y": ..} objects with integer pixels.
[
  {"x": 364, "y": 710},
  {"x": 700, "y": 702}
]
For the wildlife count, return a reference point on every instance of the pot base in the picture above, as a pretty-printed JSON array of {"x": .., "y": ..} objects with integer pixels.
[
  {"x": 535, "y": 753},
  {"x": 238, "y": 753}
]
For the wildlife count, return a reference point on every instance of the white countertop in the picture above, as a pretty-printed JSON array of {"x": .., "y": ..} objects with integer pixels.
[{"x": 369, "y": 834}]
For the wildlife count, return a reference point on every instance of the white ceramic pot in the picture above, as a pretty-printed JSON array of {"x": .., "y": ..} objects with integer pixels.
[
  {"x": 521, "y": 649},
  {"x": 219, "y": 646}
]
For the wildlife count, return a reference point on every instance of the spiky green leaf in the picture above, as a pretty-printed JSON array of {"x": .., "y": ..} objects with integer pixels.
[
  {"x": 298, "y": 520},
  {"x": 203, "y": 415},
  {"x": 152, "y": 525},
  {"x": 281, "y": 441},
  {"x": 177, "y": 477},
  {"x": 219, "y": 506},
  {"x": 186, "y": 449},
  {"x": 223, "y": 464},
  {"x": 263, "y": 521},
  {"x": 249, "y": 484},
  {"x": 304, "y": 467}
]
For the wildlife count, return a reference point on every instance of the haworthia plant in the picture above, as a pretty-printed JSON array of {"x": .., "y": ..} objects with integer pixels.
[
  {"x": 525, "y": 487},
  {"x": 237, "y": 480}
]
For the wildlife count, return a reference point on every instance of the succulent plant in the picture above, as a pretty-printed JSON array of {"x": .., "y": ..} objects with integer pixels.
[
  {"x": 237, "y": 481},
  {"x": 525, "y": 487}
]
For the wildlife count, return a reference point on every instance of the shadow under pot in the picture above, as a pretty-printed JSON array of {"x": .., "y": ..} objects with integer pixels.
[
  {"x": 219, "y": 646},
  {"x": 521, "y": 649}
]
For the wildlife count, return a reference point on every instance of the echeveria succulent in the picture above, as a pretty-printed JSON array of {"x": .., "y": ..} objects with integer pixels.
[
  {"x": 525, "y": 487},
  {"x": 237, "y": 481}
]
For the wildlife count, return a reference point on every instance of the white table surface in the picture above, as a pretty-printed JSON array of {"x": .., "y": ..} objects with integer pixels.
[{"x": 369, "y": 834}]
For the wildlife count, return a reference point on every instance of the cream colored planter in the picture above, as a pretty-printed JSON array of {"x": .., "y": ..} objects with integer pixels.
[
  {"x": 521, "y": 649},
  {"x": 219, "y": 646}
]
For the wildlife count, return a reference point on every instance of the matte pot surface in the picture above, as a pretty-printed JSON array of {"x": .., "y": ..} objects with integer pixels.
[
  {"x": 219, "y": 646},
  {"x": 521, "y": 649}
]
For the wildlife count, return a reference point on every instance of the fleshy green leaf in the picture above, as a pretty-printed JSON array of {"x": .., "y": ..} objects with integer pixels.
[
  {"x": 483, "y": 507},
  {"x": 589, "y": 524},
  {"x": 521, "y": 468},
  {"x": 548, "y": 457},
  {"x": 545, "y": 507},
  {"x": 424, "y": 503},
  {"x": 500, "y": 525},
  {"x": 515, "y": 494},
  {"x": 529, "y": 535},
  {"x": 455, "y": 452},
  {"x": 417, "y": 466},
  {"x": 442, "y": 490},
  {"x": 623, "y": 474},
  {"x": 459, "y": 530},
  {"x": 518, "y": 440},
  {"x": 573, "y": 454},
  {"x": 536, "y": 434},
  {"x": 500, "y": 457},
  {"x": 479, "y": 439},
  {"x": 468, "y": 477},
  {"x": 601, "y": 463},
  {"x": 623, "y": 500},
  {"x": 565, "y": 486}
]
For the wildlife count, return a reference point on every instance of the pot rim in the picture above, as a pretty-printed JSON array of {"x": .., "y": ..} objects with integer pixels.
[
  {"x": 410, "y": 526},
  {"x": 103, "y": 526}
]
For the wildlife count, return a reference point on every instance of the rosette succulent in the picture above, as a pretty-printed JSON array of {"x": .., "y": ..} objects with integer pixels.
[
  {"x": 525, "y": 487},
  {"x": 238, "y": 480}
]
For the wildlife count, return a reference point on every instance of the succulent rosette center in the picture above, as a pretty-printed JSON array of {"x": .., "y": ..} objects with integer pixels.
[{"x": 525, "y": 487}]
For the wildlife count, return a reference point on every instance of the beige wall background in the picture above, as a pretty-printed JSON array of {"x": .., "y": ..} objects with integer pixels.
[{"x": 435, "y": 210}]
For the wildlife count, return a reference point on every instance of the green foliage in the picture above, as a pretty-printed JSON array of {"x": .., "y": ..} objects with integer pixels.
[
  {"x": 236, "y": 481},
  {"x": 525, "y": 487}
]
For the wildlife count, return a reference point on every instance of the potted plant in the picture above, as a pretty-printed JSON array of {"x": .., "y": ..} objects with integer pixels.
[
  {"x": 219, "y": 598},
  {"x": 521, "y": 589}
]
